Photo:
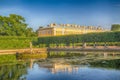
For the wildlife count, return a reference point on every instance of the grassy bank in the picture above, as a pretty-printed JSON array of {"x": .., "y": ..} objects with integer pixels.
[{"x": 7, "y": 42}]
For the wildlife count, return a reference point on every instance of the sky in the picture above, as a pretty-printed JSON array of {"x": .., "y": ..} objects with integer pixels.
[{"x": 37, "y": 13}]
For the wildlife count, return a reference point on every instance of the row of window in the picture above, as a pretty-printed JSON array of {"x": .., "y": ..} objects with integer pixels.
[
  {"x": 45, "y": 32},
  {"x": 62, "y": 32}
]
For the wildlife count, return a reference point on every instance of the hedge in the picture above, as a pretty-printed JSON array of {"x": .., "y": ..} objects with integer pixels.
[
  {"x": 89, "y": 38},
  {"x": 7, "y": 42}
]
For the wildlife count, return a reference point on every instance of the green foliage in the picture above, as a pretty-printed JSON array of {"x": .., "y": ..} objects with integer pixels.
[
  {"x": 107, "y": 63},
  {"x": 7, "y": 42},
  {"x": 13, "y": 72},
  {"x": 68, "y": 40},
  {"x": 14, "y": 25},
  {"x": 63, "y": 54},
  {"x": 7, "y": 59},
  {"x": 32, "y": 56},
  {"x": 115, "y": 27}
]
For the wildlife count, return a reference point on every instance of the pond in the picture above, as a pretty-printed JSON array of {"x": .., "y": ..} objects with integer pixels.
[{"x": 62, "y": 66}]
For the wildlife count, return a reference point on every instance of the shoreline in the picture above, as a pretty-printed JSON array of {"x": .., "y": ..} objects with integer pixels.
[
  {"x": 44, "y": 50},
  {"x": 71, "y": 49},
  {"x": 88, "y": 48},
  {"x": 14, "y": 51}
]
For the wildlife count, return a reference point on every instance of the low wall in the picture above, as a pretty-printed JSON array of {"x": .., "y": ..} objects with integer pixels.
[{"x": 88, "y": 48}]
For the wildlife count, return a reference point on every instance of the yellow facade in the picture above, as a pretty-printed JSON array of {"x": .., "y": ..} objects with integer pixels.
[{"x": 66, "y": 29}]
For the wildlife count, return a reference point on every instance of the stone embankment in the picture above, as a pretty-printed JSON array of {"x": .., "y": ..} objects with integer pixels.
[{"x": 88, "y": 48}]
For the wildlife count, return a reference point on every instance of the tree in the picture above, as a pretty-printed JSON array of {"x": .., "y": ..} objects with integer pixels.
[
  {"x": 115, "y": 27},
  {"x": 14, "y": 25}
]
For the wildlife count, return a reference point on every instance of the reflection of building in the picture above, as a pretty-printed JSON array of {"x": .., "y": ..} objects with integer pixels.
[
  {"x": 63, "y": 68},
  {"x": 66, "y": 29},
  {"x": 54, "y": 68}
]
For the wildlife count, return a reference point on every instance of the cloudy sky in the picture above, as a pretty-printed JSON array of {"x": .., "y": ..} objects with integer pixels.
[{"x": 83, "y": 12}]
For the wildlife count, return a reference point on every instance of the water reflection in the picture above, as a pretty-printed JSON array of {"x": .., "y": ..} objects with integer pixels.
[
  {"x": 71, "y": 54},
  {"x": 64, "y": 66},
  {"x": 56, "y": 67},
  {"x": 12, "y": 72},
  {"x": 70, "y": 72}
]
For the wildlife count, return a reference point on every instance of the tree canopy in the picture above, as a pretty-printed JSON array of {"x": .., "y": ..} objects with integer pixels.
[
  {"x": 115, "y": 27},
  {"x": 14, "y": 25}
]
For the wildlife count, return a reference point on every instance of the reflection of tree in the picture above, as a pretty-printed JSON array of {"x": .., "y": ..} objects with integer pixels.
[
  {"x": 31, "y": 56},
  {"x": 114, "y": 64},
  {"x": 59, "y": 54},
  {"x": 96, "y": 59},
  {"x": 12, "y": 72},
  {"x": 63, "y": 54}
]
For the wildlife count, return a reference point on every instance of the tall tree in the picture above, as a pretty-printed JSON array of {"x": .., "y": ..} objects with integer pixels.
[
  {"x": 115, "y": 27},
  {"x": 14, "y": 25}
]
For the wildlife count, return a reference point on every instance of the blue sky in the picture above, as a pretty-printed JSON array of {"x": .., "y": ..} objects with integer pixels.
[{"x": 83, "y": 12}]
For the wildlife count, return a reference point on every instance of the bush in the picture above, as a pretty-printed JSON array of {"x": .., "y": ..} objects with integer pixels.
[{"x": 74, "y": 39}]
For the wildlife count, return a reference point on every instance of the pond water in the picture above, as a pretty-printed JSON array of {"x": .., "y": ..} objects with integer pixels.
[{"x": 64, "y": 66}]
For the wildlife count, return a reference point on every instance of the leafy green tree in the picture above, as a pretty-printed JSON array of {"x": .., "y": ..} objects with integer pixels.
[
  {"x": 14, "y": 25},
  {"x": 115, "y": 27}
]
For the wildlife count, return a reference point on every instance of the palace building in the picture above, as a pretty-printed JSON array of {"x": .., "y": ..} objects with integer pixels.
[{"x": 66, "y": 29}]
